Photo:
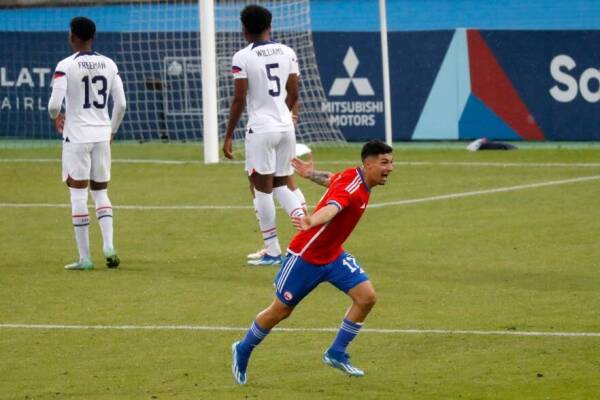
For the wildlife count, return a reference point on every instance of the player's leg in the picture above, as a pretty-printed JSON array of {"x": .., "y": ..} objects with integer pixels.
[
  {"x": 347, "y": 275},
  {"x": 301, "y": 150},
  {"x": 260, "y": 165},
  {"x": 285, "y": 150},
  {"x": 293, "y": 282},
  {"x": 258, "y": 331},
  {"x": 259, "y": 253},
  {"x": 291, "y": 184},
  {"x": 100, "y": 176},
  {"x": 76, "y": 167}
]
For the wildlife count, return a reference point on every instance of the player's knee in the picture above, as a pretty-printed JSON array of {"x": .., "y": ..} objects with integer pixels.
[
  {"x": 366, "y": 300},
  {"x": 284, "y": 312},
  {"x": 277, "y": 312},
  {"x": 98, "y": 185}
]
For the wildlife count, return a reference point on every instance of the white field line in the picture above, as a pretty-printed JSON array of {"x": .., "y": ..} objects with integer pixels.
[
  {"x": 486, "y": 191},
  {"x": 374, "y": 205},
  {"x": 399, "y": 162},
  {"x": 302, "y": 330}
]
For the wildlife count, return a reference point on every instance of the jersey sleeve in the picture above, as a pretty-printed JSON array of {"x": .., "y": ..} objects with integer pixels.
[
  {"x": 59, "y": 89},
  {"x": 59, "y": 78},
  {"x": 339, "y": 195},
  {"x": 238, "y": 66},
  {"x": 294, "y": 68},
  {"x": 113, "y": 65}
]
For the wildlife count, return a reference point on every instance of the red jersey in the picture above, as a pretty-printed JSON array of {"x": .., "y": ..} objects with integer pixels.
[{"x": 322, "y": 244}]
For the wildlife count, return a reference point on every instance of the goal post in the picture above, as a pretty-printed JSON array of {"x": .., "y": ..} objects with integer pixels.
[{"x": 209, "y": 81}]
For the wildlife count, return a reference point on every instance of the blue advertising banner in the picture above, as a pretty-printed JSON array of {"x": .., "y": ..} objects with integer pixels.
[
  {"x": 350, "y": 69},
  {"x": 465, "y": 84},
  {"x": 445, "y": 85}
]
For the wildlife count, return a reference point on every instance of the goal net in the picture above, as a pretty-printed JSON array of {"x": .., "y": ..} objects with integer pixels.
[{"x": 156, "y": 45}]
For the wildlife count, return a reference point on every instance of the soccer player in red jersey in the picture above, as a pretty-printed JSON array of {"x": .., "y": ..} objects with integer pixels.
[{"x": 316, "y": 255}]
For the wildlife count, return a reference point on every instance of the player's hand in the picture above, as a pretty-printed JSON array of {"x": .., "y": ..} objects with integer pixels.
[
  {"x": 228, "y": 148},
  {"x": 304, "y": 168},
  {"x": 59, "y": 123},
  {"x": 112, "y": 136},
  {"x": 302, "y": 223}
]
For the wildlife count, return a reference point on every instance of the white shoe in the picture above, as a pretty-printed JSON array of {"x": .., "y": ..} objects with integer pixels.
[
  {"x": 81, "y": 265},
  {"x": 257, "y": 255},
  {"x": 266, "y": 260}
]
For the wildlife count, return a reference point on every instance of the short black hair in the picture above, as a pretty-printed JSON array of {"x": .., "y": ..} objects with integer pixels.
[
  {"x": 256, "y": 19},
  {"x": 83, "y": 27},
  {"x": 374, "y": 147}
]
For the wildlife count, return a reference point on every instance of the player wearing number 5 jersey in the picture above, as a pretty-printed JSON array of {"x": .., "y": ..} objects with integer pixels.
[
  {"x": 266, "y": 80},
  {"x": 85, "y": 80},
  {"x": 316, "y": 255}
]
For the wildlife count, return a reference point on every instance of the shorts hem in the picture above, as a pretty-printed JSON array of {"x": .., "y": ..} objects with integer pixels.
[
  {"x": 284, "y": 301},
  {"x": 361, "y": 280}
]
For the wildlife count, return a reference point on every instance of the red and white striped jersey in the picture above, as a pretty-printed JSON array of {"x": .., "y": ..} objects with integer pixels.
[{"x": 322, "y": 244}]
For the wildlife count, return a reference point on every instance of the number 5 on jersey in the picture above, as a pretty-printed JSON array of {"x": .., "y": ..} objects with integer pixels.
[{"x": 273, "y": 78}]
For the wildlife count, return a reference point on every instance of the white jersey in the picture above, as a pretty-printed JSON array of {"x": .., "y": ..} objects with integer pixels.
[
  {"x": 86, "y": 79},
  {"x": 267, "y": 66}
]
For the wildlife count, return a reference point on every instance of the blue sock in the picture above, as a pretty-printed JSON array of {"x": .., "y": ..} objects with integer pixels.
[
  {"x": 348, "y": 331},
  {"x": 253, "y": 337}
]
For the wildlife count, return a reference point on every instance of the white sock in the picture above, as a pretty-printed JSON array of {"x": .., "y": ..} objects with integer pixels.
[
  {"x": 288, "y": 200},
  {"x": 265, "y": 208},
  {"x": 298, "y": 193},
  {"x": 81, "y": 222},
  {"x": 104, "y": 214}
]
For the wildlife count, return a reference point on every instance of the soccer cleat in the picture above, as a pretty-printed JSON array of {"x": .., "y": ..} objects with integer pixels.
[
  {"x": 238, "y": 365},
  {"x": 80, "y": 266},
  {"x": 257, "y": 255},
  {"x": 341, "y": 361},
  {"x": 112, "y": 259},
  {"x": 266, "y": 260}
]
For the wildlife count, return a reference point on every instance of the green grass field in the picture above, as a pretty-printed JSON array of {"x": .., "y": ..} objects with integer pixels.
[{"x": 502, "y": 262}]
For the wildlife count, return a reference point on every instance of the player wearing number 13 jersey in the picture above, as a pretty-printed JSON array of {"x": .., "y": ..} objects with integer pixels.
[
  {"x": 85, "y": 80},
  {"x": 265, "y": 77},
  {"x": 316, "y": 255}
]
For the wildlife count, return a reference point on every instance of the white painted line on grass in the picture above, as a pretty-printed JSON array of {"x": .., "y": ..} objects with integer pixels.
[
  {"x": 129, "y": 207},
  {"x": 485, "y": 191},
  {"x": 374, "y": 205},
  {"x": 301, "y": 330},
  {"x": 357, "y": 162}
]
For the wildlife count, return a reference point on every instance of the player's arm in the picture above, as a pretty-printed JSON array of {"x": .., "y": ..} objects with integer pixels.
[
  {"x": 235, "y": 113},
  {"x": 59, "y": 91},
  {"x": 306, "y": 169},
  {"x": 295, "y": 113},
  {"x": 119, "y": 105},
  {"x": 321, "y": 216},
  {"x": 292, "y": 88}
]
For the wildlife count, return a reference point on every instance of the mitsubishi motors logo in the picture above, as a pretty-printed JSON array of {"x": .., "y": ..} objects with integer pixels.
[{"x": 340, "y": 85}]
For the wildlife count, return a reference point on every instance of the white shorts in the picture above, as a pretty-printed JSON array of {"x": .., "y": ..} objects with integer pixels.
[
  {"x": 270, "y": 153},
  {"x": 86, "y": 161}
]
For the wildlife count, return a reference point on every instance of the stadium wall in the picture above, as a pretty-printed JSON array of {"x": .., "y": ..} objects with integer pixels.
[{"x": 518, "y": 84}]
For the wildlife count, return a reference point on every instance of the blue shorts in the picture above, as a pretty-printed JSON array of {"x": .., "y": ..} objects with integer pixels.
[{"x": 297, "y": 278}]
